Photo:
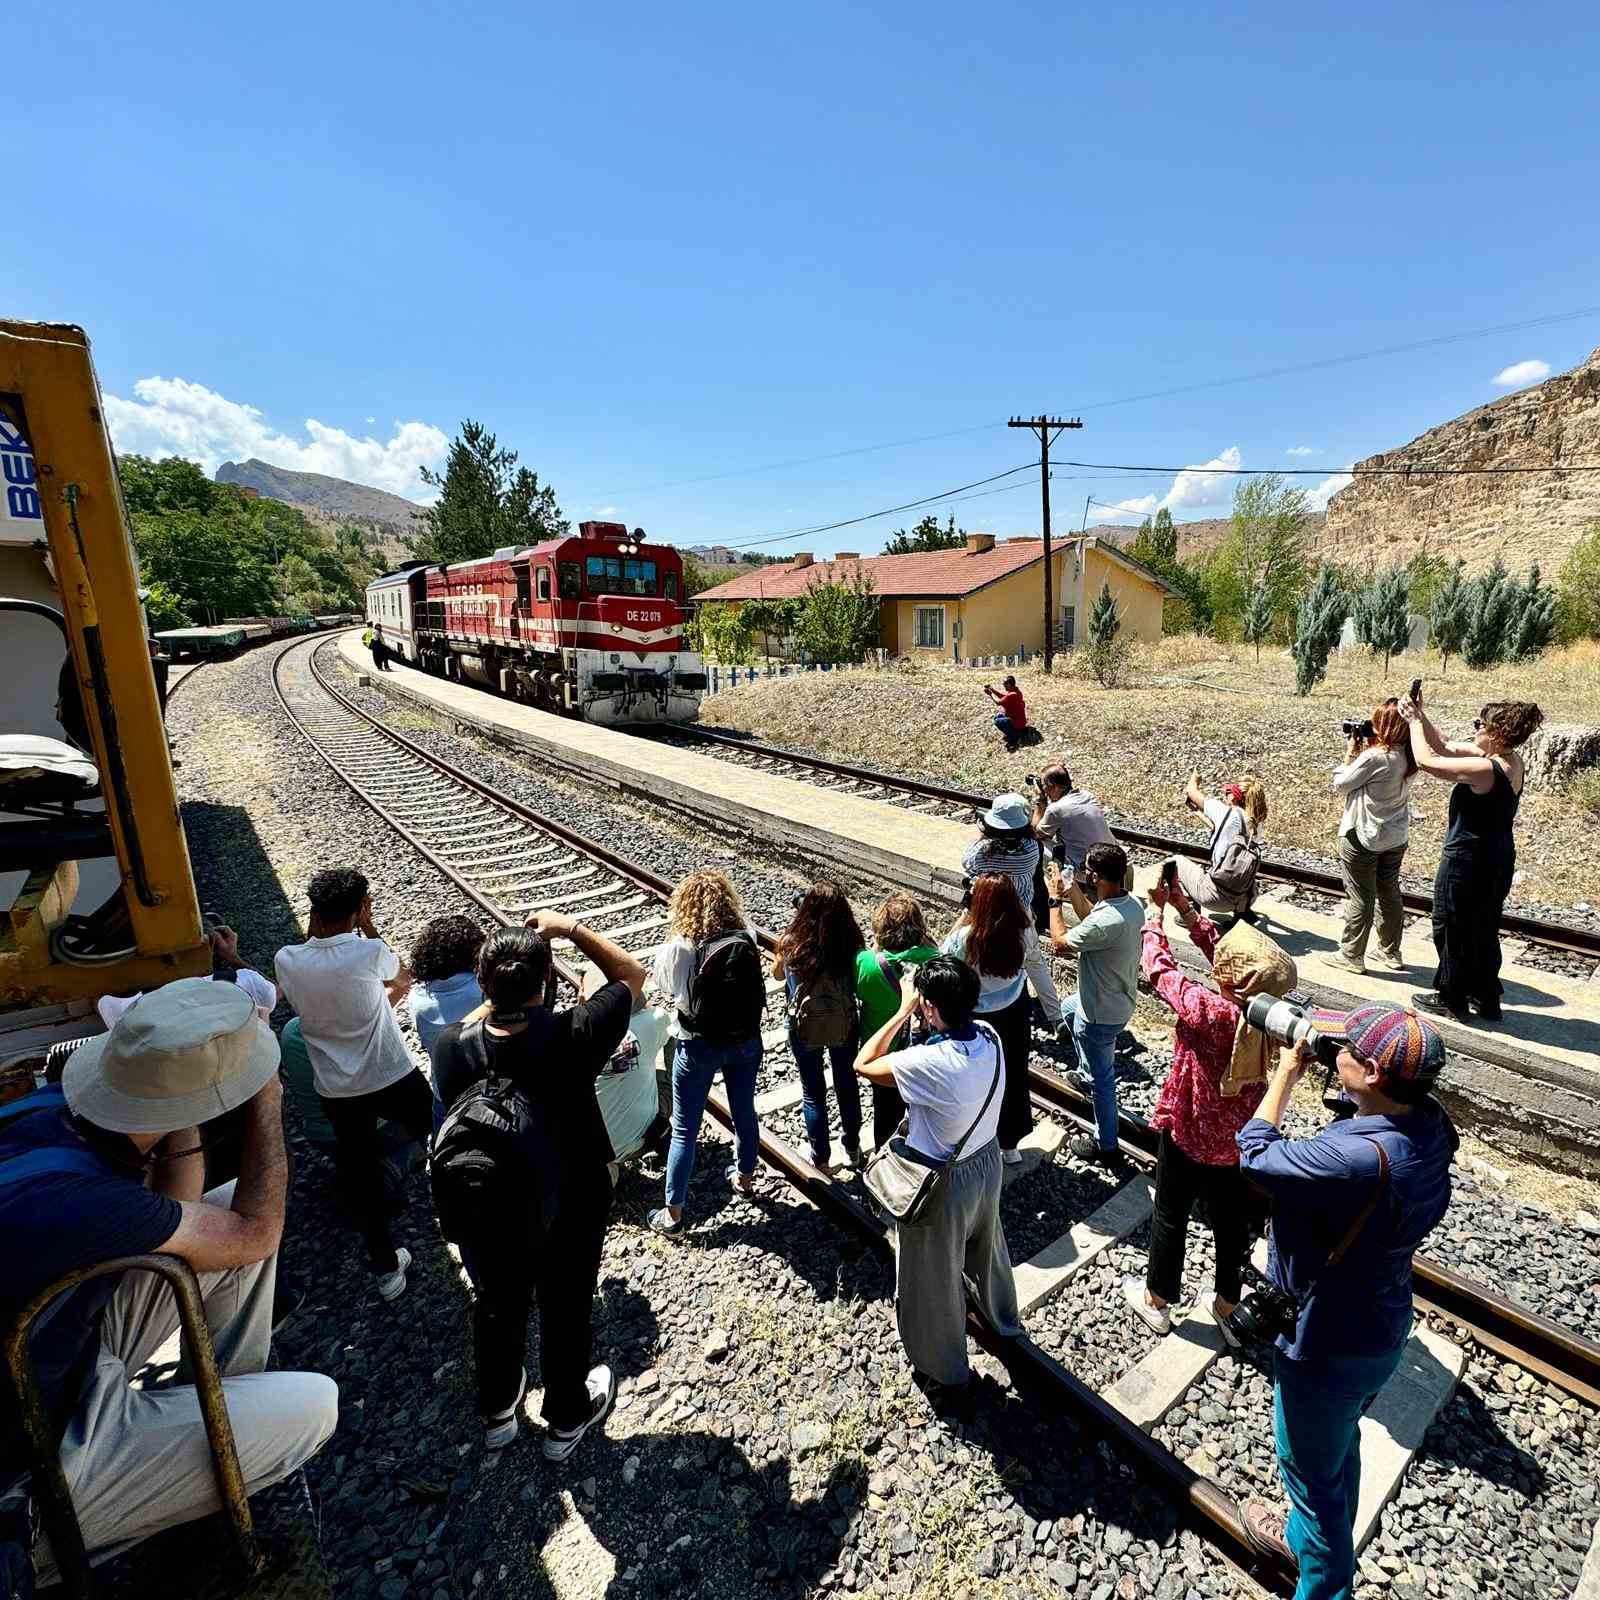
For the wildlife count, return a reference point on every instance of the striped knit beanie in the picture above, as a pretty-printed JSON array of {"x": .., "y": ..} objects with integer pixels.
[{"x": 1399, "y": 1043}]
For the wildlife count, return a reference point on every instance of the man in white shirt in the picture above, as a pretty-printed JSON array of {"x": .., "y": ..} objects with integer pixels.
[{"x": 344, "y": 981}]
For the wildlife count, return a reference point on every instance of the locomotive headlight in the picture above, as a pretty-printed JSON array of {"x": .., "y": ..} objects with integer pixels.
[{"x": 615, "y": 660}]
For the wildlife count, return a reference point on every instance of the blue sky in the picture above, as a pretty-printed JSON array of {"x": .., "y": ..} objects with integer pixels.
[{"x": 658, "y": 247}]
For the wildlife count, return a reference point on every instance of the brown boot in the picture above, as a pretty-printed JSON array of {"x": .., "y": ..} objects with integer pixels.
[{"x": 1264, "y": 1526}]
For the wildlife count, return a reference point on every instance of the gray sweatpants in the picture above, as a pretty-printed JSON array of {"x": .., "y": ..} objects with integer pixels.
[
  {"x": 136, "y": 1459},
  {"x": 961, "y": 1242},
  {"x": 1197, "y": 884}
]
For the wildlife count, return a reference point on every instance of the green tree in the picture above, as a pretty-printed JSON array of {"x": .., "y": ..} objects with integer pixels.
[
  {"x": 769, "y": 617},
  {"x": 695, "y": 577},
  {"x": 200, "y": 561},
  {"x": 1255, "y": 621},
  {"x": 721, "y": 633},
  {"x": 1382, "y": 613},
  {"x": 1578, "y": 590},
  {"x": 1425, "y": 571},
  {"x": 171, "y": 484},
  {"x": 486, "y": 501},
  {"x": 1157, "y": 543},
  {"x": 1266, "y": 545},
  {"x": 164, "y": 608},
  {"x": 838, "y": 621},
  {"x": 1492, "y": 613},
  {"x": 1105, "y": 654},
  {"x": 1534, "y": 622},
  {"x": 927, "y": 535},
  {"x": 1318, "y": 622},
  {"x": 1450, "y": 615}
]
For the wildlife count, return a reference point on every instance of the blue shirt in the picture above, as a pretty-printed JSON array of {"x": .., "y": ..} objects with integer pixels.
[
  {"x": 1362, "y": 1307},
  {"x": 434, "y": 1006},
  {"x": 51, "y": 1224}
]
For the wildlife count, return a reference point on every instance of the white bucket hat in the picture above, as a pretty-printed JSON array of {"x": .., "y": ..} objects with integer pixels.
[
  {"x": 178, "y": 1056},
  {"x": 1009, "y": 812}
]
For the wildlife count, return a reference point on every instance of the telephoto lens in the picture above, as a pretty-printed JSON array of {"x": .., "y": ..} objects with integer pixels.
[{"x": 1284, "y": 1022}]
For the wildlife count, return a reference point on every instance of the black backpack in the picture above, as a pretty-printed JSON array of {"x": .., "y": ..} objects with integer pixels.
[
  {"x": 494, "y": 1165},
  {"x": 727, "y": 990}
]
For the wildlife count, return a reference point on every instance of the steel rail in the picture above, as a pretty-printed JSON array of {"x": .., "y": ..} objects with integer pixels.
[
  {"x": 1536, "y": 930},
  {"x": 1210, "y": 1508}
]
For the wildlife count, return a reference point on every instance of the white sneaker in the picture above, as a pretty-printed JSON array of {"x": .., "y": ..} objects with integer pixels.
[
  {"x": 1157, "y": 1317},
  {"x": 559, "y": 1443},
  {"x": 391, "y": 1285},
  {"x": 1387, "y": 961},
  {"x": 1012, "y": 1158},
  {"x": 1340, "y": 959},
  {"x": 1225, "y": 1328},
  {"x": 500, "y": 1428}
]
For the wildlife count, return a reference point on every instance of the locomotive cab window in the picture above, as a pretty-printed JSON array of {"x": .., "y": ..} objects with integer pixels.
[
  {"x": 616, "y": 575},
  {"x": 541, "y": 583},
  {"x": 571, "y": 580},
  {"x": 524, "y": 589},
  {"x": 669, "y": 586}
]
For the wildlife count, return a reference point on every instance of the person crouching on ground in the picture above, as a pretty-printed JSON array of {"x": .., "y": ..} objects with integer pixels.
[
  {"x": 1105, "y": 941},
  {"x": 952, "y": 1084},
  {"x": 1012, "y": 717},
  {"x": 1225, "y": 883},
  {"x": 900, "y": 941},
  {"x": 710, "y": 971},
  {"x": 990, "y": 936},
  {"x": 553, "y": 1058},
  {"x": 816, "y": 958},
  {"x": 1370, "y": 1189},
  {"x": 110, "y": 1163},
  {"x": 345, "y": 982},
  {"x": 1006, "y": 845},
  {"x": 1216, "y": 1080},
  {"x": 1375, "y": 780}
]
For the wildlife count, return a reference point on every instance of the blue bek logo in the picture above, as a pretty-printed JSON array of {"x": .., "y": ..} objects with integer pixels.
[{"x": 21, "y": 481}]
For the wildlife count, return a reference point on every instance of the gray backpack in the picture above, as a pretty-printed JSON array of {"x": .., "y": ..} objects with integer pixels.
[{"x": 824, "y": 1013}]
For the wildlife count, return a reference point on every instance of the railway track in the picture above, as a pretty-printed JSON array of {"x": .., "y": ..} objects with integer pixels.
[
  {"x": 510, "y": 859},
  {"x": 944, "y": 801}
]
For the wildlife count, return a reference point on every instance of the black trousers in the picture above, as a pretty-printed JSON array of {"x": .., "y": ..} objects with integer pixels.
[
  {"x": 1015, "y": 1027},
  {"x": 1469, "y": 893},
  {"x": 562, "y": 1271},
  {"x": 888, "y": 1112},
  {"x": 1230, "y": 1203},
  {"x": 358, "y": 1153}
]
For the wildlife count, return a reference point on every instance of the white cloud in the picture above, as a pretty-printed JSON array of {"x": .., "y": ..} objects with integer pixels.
[
  {"x": 1293, "y": 450},
  {"x": 1520, "y": 373},
  {"x": 1200, "y": 486},
  {"x": 174, "y": 417},
  {"x": 1317, "y": 499},
  {"x": 371, "y": 420},
  {"x": 1142, "y": 507}
]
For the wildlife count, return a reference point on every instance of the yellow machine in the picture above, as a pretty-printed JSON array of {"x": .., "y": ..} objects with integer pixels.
[{"x": 69, "y": 589}]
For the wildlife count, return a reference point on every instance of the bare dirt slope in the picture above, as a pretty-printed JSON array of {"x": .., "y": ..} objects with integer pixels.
[{"x": 1193, "y": 703}]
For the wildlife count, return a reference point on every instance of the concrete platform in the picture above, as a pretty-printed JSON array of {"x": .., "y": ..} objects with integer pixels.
[{"x": 1550, "y": 1038}]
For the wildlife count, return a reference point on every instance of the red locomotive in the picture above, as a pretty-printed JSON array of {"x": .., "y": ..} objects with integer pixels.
[{"x": 590, "y": 626}]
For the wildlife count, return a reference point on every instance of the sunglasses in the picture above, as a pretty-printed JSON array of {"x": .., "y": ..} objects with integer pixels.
[{"x": 1477, "y": 724}]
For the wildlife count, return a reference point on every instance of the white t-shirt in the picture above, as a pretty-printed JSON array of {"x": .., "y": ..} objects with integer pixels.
[
  {"x": 348, "y": 1025},
  {"x": 670, "y": 975},
  {"x": 943, "y": 1084}
]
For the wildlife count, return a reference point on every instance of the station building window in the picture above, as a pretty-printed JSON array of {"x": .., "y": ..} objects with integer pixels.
[{"x": 928, "y": 626}]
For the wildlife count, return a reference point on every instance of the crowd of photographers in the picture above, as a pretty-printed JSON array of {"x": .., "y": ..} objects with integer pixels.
[{"x": 531, "y": 1107}]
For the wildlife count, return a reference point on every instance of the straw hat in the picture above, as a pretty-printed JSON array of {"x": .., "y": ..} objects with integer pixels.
[{"x": 180, "y": 1055}]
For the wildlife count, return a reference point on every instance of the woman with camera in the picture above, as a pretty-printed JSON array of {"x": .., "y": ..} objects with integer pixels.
[
  {"x": 1375, "y": 780},
  {"x": 816, "y": 958},
  {"x": 991, "y": 937},
  {"x": 1350, "y": 1206},
  {"x": 1479, "y": 855},
  {"x": 952, "y": 1085},
  {"x": 1216, "y": 1080},
  {"x": 900, "y": 940},
  {"x": 1226, "y": 884}
]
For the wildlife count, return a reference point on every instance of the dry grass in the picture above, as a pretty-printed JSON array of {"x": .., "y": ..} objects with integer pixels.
[{"x": 1190, "y": 703}]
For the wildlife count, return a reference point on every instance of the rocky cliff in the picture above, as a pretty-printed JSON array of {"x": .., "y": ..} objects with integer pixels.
[
  {"x": 1526, "y": 517},
  {"x": 319, "y": 494}
]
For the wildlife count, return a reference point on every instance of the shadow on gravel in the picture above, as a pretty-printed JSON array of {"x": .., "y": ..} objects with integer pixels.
[
  {"x": 236, "y": 879},
  {"x": 1468, "y": 1434}
]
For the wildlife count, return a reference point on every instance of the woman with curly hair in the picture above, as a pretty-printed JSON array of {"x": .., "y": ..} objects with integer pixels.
[
  {"x": 816, "y": 958},
  {"x": 1479, "y": 854},
  {"x": 709, "y": 970},
  {"x": 991, "y": 937}
]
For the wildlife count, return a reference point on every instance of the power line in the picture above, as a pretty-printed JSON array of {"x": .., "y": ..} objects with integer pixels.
[{"x": 1323, "y": 472}]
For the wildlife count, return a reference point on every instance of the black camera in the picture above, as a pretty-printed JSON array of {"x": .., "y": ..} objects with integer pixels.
[
  {"x": 966, "y": 894},
  {"x": 1265, "y": 1312},
  {"x": 1352, "y": 729}
]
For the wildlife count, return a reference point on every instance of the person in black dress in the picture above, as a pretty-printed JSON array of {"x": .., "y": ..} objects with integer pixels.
[
  {"x": 554, "y": 1057},
  {"x": 1479, "y": 854}
]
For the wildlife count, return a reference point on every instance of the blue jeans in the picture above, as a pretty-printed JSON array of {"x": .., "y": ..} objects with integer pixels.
[
  {"x": 1003, "y": 723},
  {"x": 1317, "y": 1409},
  {"x": 698, "y": 1061},
  {"x": 1096, "y": 1045},
  {"x": 814, "y": 1093}
]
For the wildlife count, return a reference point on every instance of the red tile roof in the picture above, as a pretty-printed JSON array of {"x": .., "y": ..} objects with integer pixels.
[{"x": 934, "y": 574}]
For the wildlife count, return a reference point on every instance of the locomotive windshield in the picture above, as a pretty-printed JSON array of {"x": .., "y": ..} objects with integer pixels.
[{"x": 616, "y": 575}]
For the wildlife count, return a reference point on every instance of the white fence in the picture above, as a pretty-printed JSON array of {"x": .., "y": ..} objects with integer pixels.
[{"x": 719, "y": 678}]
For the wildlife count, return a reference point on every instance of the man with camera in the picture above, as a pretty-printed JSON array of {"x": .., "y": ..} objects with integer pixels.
[
  {"x": 1012, "y": 717},
  {"x": 1349, "y": 1208},
  {"x": 1066, "y": 821}
]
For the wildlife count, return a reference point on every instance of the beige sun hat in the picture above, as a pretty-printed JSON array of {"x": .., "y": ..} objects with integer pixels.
[{"x": 179, "y": 1055}]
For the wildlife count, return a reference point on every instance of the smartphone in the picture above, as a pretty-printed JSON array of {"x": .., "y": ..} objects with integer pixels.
[
  {"x": 1169, "y": 872},
  {"x": 1416, "y": 691}
]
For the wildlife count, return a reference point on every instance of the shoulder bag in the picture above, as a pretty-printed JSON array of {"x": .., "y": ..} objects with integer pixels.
[{"x": 906, "y": 1187}]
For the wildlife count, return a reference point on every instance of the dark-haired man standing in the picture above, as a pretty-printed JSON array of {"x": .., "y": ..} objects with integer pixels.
[{"x": 345, "y": 982}]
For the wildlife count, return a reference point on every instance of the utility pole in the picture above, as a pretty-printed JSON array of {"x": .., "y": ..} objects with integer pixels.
[{"x": 1047, "y": 430}]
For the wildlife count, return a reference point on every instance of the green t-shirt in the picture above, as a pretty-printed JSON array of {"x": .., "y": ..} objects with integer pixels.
[{"x": 879, "y": 998}]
